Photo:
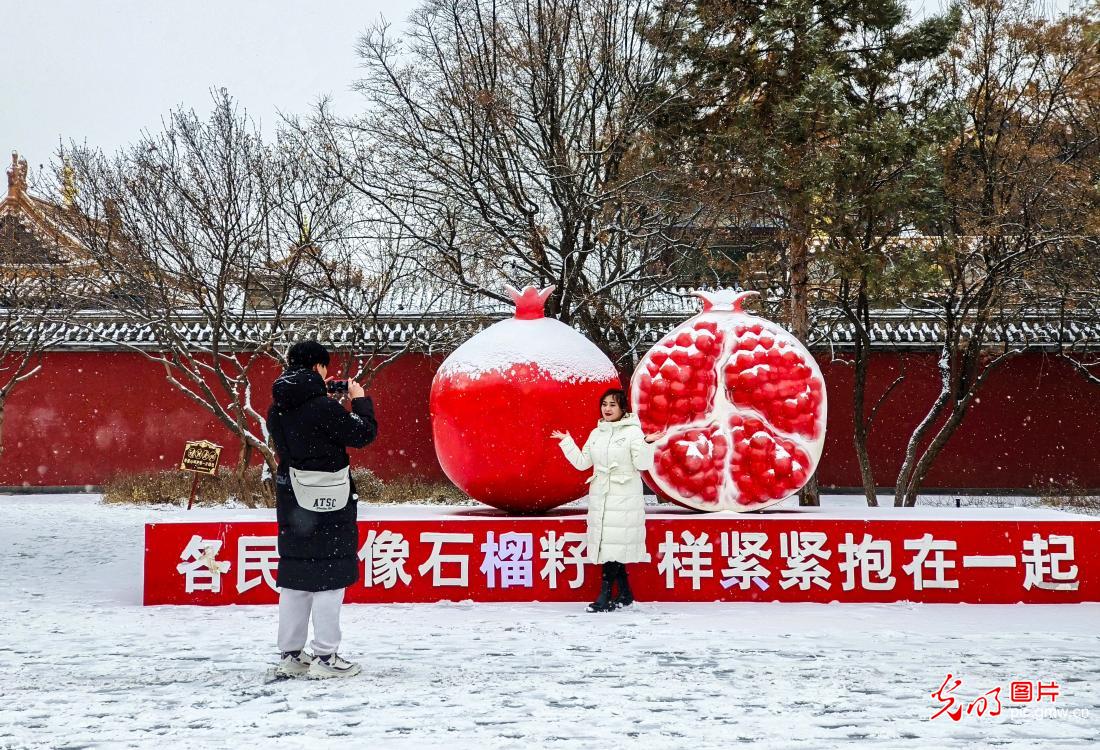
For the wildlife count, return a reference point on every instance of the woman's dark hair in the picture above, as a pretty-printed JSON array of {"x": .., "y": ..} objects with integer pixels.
[
  {"x": 619, "y": 395},
  {"x": 305, "y": 354}
]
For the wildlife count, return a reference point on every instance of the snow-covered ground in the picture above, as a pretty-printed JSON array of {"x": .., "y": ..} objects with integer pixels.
[{"x": 83, "y": 664}]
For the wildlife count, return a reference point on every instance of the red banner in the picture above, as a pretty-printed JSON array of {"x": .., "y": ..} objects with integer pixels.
[{"x": 789, "y": 557}]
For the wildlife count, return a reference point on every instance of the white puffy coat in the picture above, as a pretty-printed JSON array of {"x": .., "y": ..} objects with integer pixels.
[{"x": 618, "y": 453}]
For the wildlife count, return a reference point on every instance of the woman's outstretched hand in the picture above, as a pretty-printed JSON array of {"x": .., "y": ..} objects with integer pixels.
[
  {"x": 653, "y": 437},
  {"x": 559, "y": 435}
]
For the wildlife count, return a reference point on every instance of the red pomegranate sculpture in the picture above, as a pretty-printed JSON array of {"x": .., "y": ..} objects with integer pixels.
[
  {"x": 743, "y": 403},
  {"x": 496, "y": 399}
]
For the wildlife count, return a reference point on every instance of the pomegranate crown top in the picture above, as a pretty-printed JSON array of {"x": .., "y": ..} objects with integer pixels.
[
  {"x": 531, "y": 302},
  {"x": 727, "y": 300}
]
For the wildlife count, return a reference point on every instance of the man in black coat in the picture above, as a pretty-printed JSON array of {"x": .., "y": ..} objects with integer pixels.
[{"x": 317, "y": 549}]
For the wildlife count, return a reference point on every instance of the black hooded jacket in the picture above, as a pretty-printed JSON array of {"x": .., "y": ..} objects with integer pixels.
[{"x": 317, "y": 551}]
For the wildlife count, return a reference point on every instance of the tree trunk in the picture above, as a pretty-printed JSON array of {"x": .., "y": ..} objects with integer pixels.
[
  {"x": 270, "y": 459},
  {"x": 907, "y": 495},
  {"x": 859, "y": 397},
  {"x": 932, "y": 452},
  {"x": 800, "y": 323},
  {"x": 244, "y": 457},
  {"x": 908, "y": 466},
  {"x": 859, "y": 433}
]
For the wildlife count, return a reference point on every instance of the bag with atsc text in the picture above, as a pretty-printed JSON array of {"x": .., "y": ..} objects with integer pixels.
[{"x": 321, "y": 491}]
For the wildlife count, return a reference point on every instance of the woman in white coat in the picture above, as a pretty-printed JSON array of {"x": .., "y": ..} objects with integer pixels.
[{"x": 618, "y": 451}]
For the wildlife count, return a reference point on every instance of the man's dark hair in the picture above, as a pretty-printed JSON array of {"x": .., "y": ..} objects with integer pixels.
[
  {"x": 305, "y": 354},
  {"x": 620, "y": 397}
]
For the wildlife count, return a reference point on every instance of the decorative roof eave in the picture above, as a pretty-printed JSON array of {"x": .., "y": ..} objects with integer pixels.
[
  {"x": 101, "y": 332},
  {"x": 18, "y": 202}
]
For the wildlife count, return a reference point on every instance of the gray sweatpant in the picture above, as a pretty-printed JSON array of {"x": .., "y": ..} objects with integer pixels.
[{"x": 294, "y": 611}]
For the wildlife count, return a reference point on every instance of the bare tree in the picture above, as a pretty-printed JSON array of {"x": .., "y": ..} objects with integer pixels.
[
  {"x": 361, "y": 291},
  {"x": 1072, "y": 271},
  {"x": 506, "y": 142},
  {"x": 1073, "y": 276},
  {"x": 223, "y": 249},
  {"x": 1013, "y": 196}
]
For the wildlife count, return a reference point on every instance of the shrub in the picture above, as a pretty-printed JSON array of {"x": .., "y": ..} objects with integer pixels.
[
  {"x": 1070, "y": 497},
  {"x": 174, "y": 487},
  {"x": 367, "y": 484},
  {"x": 432, "y": 493}
]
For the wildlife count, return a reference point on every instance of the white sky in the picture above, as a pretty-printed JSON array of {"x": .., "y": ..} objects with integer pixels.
[{"x": 102, "y": 70}]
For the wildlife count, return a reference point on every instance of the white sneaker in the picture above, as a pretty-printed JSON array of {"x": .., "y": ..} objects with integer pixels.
[
  {"x": 294, "y": 664},
  {"x": 332, "y": 665}
]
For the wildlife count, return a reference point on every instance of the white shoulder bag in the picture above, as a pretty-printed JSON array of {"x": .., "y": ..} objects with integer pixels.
[{"x": 321, "y": 491}]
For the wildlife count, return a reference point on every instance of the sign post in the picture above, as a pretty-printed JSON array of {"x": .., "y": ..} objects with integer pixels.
[{"x": 200, "y": 457}]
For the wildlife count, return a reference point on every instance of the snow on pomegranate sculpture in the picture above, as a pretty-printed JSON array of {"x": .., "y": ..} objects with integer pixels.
[
  {"x": 496, "y": 399},
  {"x": 744, "y": 405}
]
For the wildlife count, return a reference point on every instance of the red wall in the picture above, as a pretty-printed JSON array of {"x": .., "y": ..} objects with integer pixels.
[
  {"x": 88, "y": 415},
  {"x": 1035, "y": 423}
]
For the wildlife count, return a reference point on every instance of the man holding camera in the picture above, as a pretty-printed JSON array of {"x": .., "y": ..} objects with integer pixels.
[{"x": 316, "y": 507}]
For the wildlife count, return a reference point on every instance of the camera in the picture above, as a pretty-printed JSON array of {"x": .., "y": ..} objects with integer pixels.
[{"x": 337, "y": 386}]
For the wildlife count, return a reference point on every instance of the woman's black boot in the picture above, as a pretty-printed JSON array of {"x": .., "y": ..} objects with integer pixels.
[
  {"x": 603, "y": 602},
  {"x": 625, "y": 597}
]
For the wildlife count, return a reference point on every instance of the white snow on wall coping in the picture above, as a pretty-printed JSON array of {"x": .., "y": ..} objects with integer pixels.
[{"x": 96, "y": 332}]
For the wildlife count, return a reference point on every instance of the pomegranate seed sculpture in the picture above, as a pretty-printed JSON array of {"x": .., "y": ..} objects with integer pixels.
[
  {"x": 496, "y": 399},
  {"x": 743, "y": 402}
]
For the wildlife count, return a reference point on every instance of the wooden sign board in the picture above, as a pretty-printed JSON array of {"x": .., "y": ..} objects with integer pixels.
[{"x": 201, "y": 457}]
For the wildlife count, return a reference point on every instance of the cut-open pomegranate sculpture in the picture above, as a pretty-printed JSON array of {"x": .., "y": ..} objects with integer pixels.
[
  {"x": 743, "y": 403},
  {"x": 496, "y": 399}
]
